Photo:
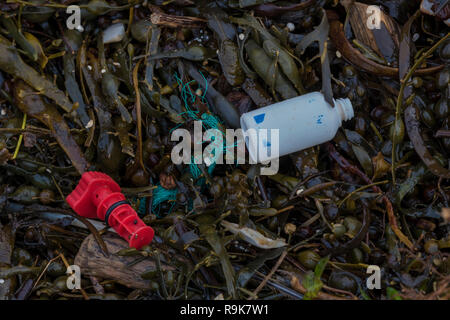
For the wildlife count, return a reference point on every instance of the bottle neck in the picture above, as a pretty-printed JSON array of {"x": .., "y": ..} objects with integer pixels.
[{"x": 345, "y": 108}]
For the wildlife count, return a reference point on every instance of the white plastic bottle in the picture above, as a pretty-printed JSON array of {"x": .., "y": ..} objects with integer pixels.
[{"x": 303, "y": 122}]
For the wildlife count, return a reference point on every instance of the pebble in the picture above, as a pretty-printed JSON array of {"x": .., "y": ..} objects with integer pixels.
[
  {"x": 114, "y": 33},
  {"x": 290, "y": 26}
]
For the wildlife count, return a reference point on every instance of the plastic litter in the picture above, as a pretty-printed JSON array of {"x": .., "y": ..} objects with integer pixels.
[
  {"x": 303, "y": 122},
  {"x": 98, "y": 196}
]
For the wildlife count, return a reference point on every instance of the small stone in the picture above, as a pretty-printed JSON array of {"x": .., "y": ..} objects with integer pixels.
[
  {"x": 241, "y": 36},
  {"x": 114, "y": 33},
  {"x": 289, "y": 228},
  {"x": 290, "y": 26}
]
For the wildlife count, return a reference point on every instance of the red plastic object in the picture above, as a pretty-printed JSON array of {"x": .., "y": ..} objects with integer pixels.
[{"x": 97, "y": 195}]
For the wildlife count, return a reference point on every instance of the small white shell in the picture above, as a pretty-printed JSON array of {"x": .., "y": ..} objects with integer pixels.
[
  {"x": 114, "y": 33},
  {"x": 427, "y": 7},
  {"x": 290, "y": 26},
  {"x": 90, "y": 124},
  {"x": 253, "y": 237}
]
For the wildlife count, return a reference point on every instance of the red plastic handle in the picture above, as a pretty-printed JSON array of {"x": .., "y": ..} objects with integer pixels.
[{"x": 99, "y": 196}]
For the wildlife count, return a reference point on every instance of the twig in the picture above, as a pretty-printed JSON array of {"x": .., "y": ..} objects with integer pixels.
[
  {"x": 138, "y": 115},
  {"x": 301, "y": 183},
  {"x": 360, "y": 189},
  {"x": 50, "y": 5},
  {"x": 172, "y": 21},
  {"x": 43, "y": 271},
  {"x": 278, "y": 212},
  {"x": 319, "y": 207},
  {"x": 29, "y": 129},
  {"x": 267, "y": 278},
  {"x": 297, "y": 285},
  {"x": 350, "y": 294},
  {"x": 91, "y": 132},
  {"x": 19, "y": 143}
]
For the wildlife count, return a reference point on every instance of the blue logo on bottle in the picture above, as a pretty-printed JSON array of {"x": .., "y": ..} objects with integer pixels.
[
  {"x": 259, "y": 118},
  {"x": 319, "y": 119}
]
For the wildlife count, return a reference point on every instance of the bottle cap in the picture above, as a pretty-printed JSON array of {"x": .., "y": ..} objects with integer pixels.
[{"x": 346, "y": 108}]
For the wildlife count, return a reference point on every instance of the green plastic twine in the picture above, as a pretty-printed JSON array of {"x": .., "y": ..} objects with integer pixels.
[
  {"x": 161, "y": 195},
  {"x": 142, "y": 206},
  {"x": 209, "y": 121}
]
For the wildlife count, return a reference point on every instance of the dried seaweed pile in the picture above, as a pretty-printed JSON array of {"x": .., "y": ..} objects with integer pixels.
[{"x": 107, "y": 94}]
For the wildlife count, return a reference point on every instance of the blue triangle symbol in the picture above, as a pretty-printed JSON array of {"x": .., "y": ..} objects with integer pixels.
[{"x": 259, "y": 118}]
